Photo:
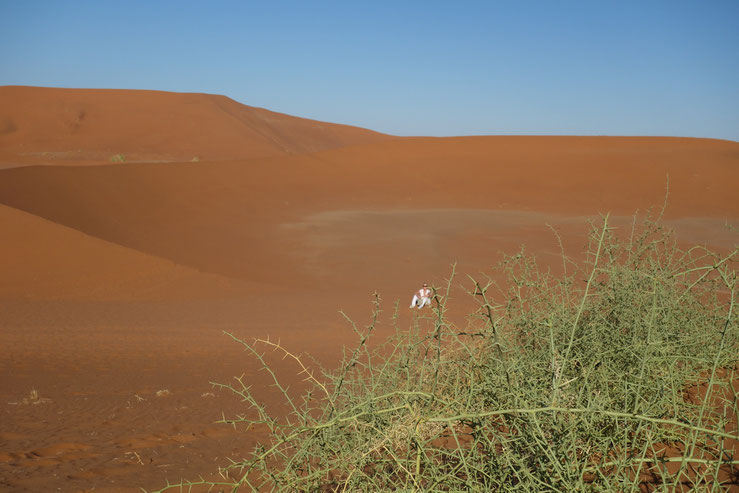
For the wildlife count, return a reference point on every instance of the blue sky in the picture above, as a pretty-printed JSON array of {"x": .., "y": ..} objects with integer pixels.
[{"x": 408, "y": 68}]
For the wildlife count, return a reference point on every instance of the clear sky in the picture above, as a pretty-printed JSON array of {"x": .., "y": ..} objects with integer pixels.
[{"x": 592, "y": 67}]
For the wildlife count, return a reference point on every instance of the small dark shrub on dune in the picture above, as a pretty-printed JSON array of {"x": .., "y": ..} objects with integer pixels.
[{"x": 575, "y": 382}]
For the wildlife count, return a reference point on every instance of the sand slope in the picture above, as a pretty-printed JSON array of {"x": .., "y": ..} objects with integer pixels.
[
  {"x": 263, "y": 220},
  {"x": 47, "y": 125},
  {"x": 42, "y": 260}
]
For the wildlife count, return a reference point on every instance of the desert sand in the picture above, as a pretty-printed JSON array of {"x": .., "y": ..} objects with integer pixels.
[{"x": 137, "y": 226}]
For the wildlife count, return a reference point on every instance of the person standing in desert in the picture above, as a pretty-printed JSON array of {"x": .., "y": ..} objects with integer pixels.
[{"x": 422, "y": 297}]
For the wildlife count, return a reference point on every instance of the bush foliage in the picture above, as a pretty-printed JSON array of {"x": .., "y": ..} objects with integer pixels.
[{"x": 614, "y": 375}]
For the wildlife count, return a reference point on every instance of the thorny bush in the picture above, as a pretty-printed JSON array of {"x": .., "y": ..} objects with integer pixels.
[{"x": 575, "y": 382}]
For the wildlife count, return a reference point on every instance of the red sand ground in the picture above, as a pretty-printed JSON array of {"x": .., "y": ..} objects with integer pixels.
[{"x": 117, "y": 280}]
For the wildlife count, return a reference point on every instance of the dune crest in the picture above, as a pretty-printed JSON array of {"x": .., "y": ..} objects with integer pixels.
[{"x": 103, "y": 126}]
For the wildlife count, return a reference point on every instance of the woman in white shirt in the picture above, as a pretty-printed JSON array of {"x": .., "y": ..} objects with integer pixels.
[{"x": 422, "y": 297}]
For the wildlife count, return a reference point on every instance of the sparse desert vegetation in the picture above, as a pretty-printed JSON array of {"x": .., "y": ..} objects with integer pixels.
[
  {"x": 118, "y": 158},
  {"x": 33, "y": 397}
]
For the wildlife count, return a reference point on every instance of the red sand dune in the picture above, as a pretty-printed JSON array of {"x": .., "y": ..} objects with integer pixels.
[
  {"x": 43, "y": 125},
  {"x": 45, "y": 260},
  {"x": 275, "y": 220},
  {"x": 116, "y": 281}
]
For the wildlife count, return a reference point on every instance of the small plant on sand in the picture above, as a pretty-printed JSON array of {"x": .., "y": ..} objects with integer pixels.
[
  {"x": 614, "y": 376},
  {"x": 33, "y": 397},
  {"x": 118, "y": 158}
]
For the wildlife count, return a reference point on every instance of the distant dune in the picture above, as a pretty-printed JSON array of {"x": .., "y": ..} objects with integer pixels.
[
  {"x": 303, "y": 219},
  {"x": 44, "y": 260},
  {"x": 93, "y": 126}
]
